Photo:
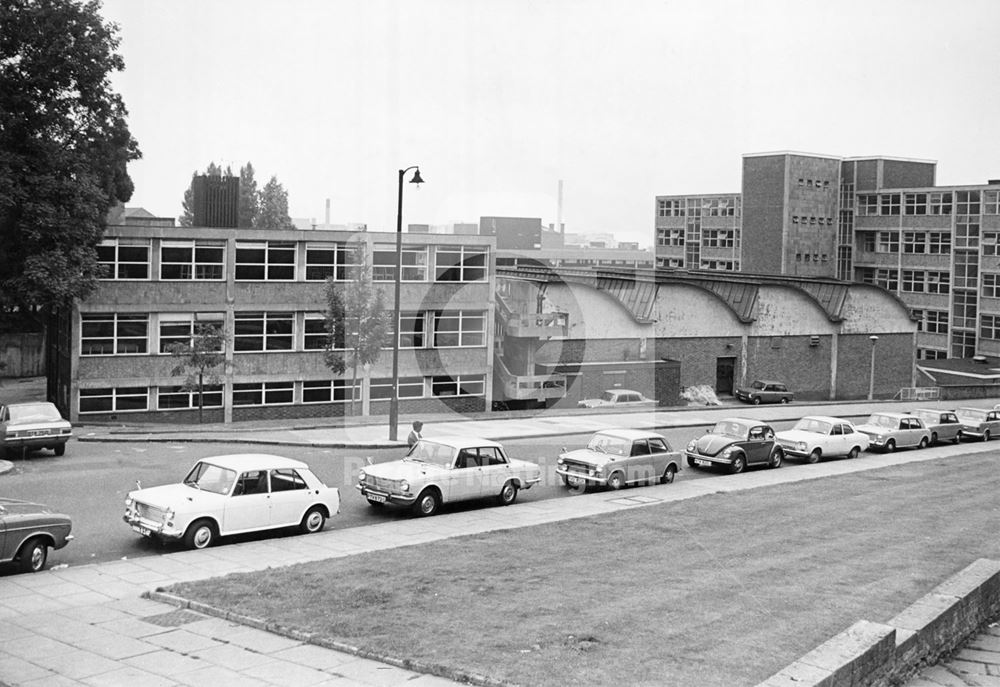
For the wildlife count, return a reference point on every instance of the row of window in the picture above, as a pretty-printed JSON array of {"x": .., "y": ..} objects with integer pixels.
[
  {"x": 142, "y": 333},
  {"x": 699, "y": 207},
  {"x": 814, "y": 183},
  {"x": 929, "y": 203},
  {"x": 913, "y": 281},
  {"x": 272, "y": 393},
  {"x": 199, "y": 260},
  {"x": 813, "y": 220},
  {"x": 914, "y": 242},
  {"x": 812, "y": 257},
  {"x": 932, "y": 321},
  {"x": 710, "y": 238}
]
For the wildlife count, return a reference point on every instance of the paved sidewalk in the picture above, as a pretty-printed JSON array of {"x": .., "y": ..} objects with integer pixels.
[{"x": 88, "y": 625}]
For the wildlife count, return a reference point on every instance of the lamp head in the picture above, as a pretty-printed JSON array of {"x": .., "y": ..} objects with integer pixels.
[
  {"x": 416, "y": 178},
  {"x": 873, "y": 338}
]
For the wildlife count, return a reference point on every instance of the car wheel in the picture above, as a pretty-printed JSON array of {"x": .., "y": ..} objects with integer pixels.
[
  {"x": 957, "y": 438},
  {"x": 890, "y": 446},
  {"x": 756, "y": 400},
  {"x": 986, "y": 435},
  {"x": 738, "y": 464},
  {"x": 312, "y": 521},
  {"x": 923, "y": 442},
  {"x": 616, "y": 480},
  {"x": 853, "y": 453},
  {"x": 508, "y": 494},
  {"x": 668, "y": 475},
  {"x": 775, "y": 461},
  {"x": 427, "y": 503},
  {"x": 60, "y": 449},
  {"x": 934, "y": 438},
  {"x": 200, "y": 534},
  {"x": 34, "y": 553},
  {"x": 784, "y": 399},
  {"x": 814, "y": 456}
]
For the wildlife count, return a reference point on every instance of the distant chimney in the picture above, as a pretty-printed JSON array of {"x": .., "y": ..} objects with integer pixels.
[
  {"x": 327, "y": 212},
  {"x": 216, "y": 201}
]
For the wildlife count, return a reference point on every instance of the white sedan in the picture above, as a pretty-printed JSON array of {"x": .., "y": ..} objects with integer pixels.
[
  {"x": 618, "y": 398},
  {"x": 820, "y": 436},
  {"x": 225, "y": 495}
]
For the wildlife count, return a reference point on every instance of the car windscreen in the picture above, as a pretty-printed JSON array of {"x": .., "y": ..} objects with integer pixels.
[
  {"x": 615, "y": 446},
  {"x": 425, "y": 451},
  {"x": 886, "y": 421},
  {"x": 608, "y": 396},
  {"x": 757, "y": 385},
  {"x": 808, "y": 424},
  {"x": 209, "y": 477},
  {"x": 33, "y": 412},
  {"x": 730, "y": 429},
  {"x": 977, "y": 415}
]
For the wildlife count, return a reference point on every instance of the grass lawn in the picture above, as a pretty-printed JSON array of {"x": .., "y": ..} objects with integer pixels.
[{"x": 720, "y": 590}]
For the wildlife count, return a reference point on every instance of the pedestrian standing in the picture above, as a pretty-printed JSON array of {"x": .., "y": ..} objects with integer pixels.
[{"x": 414, "y": 433}]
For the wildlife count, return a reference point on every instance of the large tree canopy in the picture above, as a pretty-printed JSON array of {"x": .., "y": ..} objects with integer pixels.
[{"x": 64, "y": 147}]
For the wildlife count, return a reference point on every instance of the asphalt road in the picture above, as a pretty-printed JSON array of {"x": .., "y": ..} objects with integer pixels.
[{"x": 91, "y": 480}]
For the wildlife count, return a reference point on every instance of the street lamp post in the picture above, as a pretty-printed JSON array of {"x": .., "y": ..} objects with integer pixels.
[
  {"x": 394, "y": 399},
  {"x": 871, "y": 373}
]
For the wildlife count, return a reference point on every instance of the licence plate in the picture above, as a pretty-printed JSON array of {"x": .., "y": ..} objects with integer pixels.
[
  {"x": 377, "y": 498},
  {"x": 703, "y": 463},
  {"x": 39, "y": 432},
  {"x": 144, "y": 531}
]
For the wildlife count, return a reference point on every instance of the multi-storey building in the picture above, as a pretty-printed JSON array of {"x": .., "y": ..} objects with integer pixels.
[
  {"x": 109, "y": 357},
  {"x": 878, "y": 220},
  {"x": 699, "y": 232}
]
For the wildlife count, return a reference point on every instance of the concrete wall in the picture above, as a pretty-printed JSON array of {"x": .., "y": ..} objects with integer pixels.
[
  {"x": 764, "y": 188},
  {"x": 23, "y": 353}
]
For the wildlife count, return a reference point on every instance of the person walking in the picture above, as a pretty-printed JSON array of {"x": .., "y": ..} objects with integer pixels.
[{"x": 414, "y": 433}]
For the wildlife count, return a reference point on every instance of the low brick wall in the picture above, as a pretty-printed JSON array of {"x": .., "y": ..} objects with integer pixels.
[{"x": 871, "y": 654}]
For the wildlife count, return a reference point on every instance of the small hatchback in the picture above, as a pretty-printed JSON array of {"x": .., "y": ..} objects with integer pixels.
[
  {"x": 30, "y": 426},
  {"x": 889, "y": 431},
  {"x": 943, "y": 425},
  {"x": 735, "y": 443},
  {"x": 979, "y": 423},
  {"x": 619, "y": 457},
  {"x": 765, "y": 391}
]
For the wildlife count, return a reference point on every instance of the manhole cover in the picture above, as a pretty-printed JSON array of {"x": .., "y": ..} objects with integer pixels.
[
  {"x": 173, "y": 618},
  {"x": 634, "y": 500}
]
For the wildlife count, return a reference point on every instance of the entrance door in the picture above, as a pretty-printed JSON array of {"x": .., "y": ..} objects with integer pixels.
[{"x": 725, "y": 372}]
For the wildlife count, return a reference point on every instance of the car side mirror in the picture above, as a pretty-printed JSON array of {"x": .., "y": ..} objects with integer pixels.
[{"x": 369, "y": 460}]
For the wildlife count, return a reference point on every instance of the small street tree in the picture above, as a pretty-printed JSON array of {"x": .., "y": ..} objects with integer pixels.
[
  {"x": 198, "y": 359},
  {"x": 357, "y": 322}
]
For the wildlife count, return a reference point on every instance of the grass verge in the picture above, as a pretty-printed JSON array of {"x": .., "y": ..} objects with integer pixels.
[{"x": 719, "y": 590}]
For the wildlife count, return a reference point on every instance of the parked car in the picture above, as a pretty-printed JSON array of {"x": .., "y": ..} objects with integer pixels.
[
  {"x": 943, "y": 425},
  {"x": 619, "y": 457},
  {"x": 446, "y": 469},
  {"x": 820, "y": 436},
  {"x": 27, "y": 532},
  {"x": 618, "y": 398},
  {"x": 735, "y": 443},
  {"x": 889, "y": 431},
  {"x": 979, "y": 423},
  {"x": 225, "y": 495},
  {"x": 30, "y": 426},
  {"x": 765, "y": 391}
]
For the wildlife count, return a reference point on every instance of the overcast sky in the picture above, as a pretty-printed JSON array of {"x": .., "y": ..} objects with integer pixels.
[{"x": 498, "y": 100}]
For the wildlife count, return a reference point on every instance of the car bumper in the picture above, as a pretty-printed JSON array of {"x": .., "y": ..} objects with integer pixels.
[
  {"x": 583, "y": 477},
  {"x": 385, "y": 497},
  {"x": 707, "y": 461},
  {"x": 154, "y": 530},
  {"x": 35, "y": 442},
  {"x": 795, "y": 452}
]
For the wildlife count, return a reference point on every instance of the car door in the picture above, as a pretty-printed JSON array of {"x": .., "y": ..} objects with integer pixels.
[
  {"x": 289, "y": 497},
  {"x": 757, "y": 445},
  {"x": 4, "y": 553},
  {"x": 494, "y": 470},
  {"x": 638, "y": 462},
  {"x": 463, "y": 480},
  {"x": 659, "y": 455},
  {"x": 912, "y": 430},
  {"x": 993, "y": 418},
  {"x": 249, "y": 506},
  {"x": 949, "y": 426}
]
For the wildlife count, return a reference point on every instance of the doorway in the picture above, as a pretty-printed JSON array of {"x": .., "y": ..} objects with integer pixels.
[{"x": 725, "y": 373}]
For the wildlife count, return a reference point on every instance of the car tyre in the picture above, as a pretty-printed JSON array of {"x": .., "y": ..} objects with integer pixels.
[
  {"x": 427, "y": 503},
  {"x": 923, "y": 442},
  {"x": 986, "y": 435},
  {"x": 34, "y": 553},
  {"x": 508, "y": 494},
  {"x": 756, "y": 400},
  {"x": 814, "y": 456},
  {"x": 200, "y": 534},
  {"x": 784, "y": 399},
  {"x": 313, "y": 521},
  {"x": 934, "y": 438},
  {"x": 775, "y": 461},
  {"x": 853, "y": 453},
  {"x": 957, "y": 438},
  {"x": 60, "y": 449},
  {"x": 668, "y": 475},
  {"x": 739, "y": 463},
  {"x": 890, "y": 446},
  {"x": 616, "y": 480}
]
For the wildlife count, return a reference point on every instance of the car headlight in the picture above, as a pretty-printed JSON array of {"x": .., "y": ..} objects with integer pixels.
[
  {"x": 404, "y": 485},
  {"x": 560, "y": 460},
  {"x": 592, "y": 472},
  {"x": 129, "y": 501},
  {"x": 727, "y": 452},
  {"x": 361, "y": 475},
  {"x": 801, "y": 446},
  {"x": 692, "y": 445}
]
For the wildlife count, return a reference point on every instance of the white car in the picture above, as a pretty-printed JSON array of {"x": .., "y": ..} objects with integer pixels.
[
  {"x": 446, "y": 469},
  {"x": 889, "y": 431},
  {"x": 820, "y": 436},
  {"x": 225, "y": 495},
  {"x": 618, "y": 398}
]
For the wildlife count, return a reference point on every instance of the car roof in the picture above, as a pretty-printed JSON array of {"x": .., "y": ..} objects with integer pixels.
[
  {"x": 744, "y": 421},
  {"x": 630, "y": 434},
  {"x": 933, "y": 410},
  {"x": 826, "y": 418},
  {"x": 253, "y": 461},
  {"x": 889, "y": 413},
  {"x": 985, "y": 410},
  {"x": 460, "y": 441},
  {"x": 621, "y": 391},
  {"x": 28, "y": 403},
  {"x": 767, "y": 381}
]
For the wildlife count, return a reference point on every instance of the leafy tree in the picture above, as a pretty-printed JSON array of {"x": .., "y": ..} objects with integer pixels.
[
  {"x": 357, "y": 322},
  {"x": 64, "y": 147},
  {"x": 274, "y": 207},
  {"x": 249, "y": 197},
  {"x": 198, "y": 359}
]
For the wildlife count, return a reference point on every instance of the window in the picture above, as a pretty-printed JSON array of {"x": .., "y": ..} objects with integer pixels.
[
  {"x": 932, "y": 321},
  {"x": 460, "y": 263},
  {"x": 314, "y": 334},
  {"x": 938, "y": 282},
  {"x": 411, "y": 330},
  {"x": 966, "y": 231},
  {"x": 337, "y": 260},
  {"x": 262, "y": 331},
  {"x": 286, "y": 479},
  {"x": 461, "y": 385},
  {"x": 670, "y": 237},
  {"x": 912, "y": 281},
  {"x": 914, "y": 242},
  {"x": 263, "y": 393},
  {"x": 939, "y": 203},
  {"x": 967, "y": 202},
  {"x": 989, "y": 326},
  {"x": 670, "y": 208},
  {"x": 888, "y": 204},
  {"x": 887, "y": 242},
  {"x": 915, "y": 203},
  {"x": 414, "y": 261},
  {"x": 124, "y": 258},
  {"x": 867, "y": 204},
  {"x": 718, "y": 238},
  {"x": 938, "y": 242},
  {"x": 459, "y": 328},
  {"x": 991, "y": 202},
  {"x": 114, "y": 334},
  {"x": 329, "y": 391},
  {"x": 931, "y": 354},
  {"x": 180, "y": 328},
  {"x": 114, "y": 399},
  {"x": 198, "y": 260},
  {"x": 175, "y": 397},
  {"x": 265, "y": 261},
  {"x": 886, "y": 278},
  {"x": 409, "y": 387},
  {"x": 991, "y": 285}
]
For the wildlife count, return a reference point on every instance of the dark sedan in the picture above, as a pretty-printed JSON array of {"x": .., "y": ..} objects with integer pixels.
[{"x": 27, "y": 532}]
